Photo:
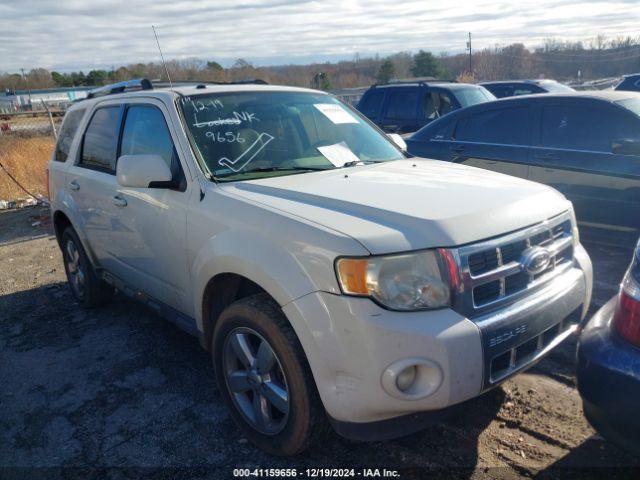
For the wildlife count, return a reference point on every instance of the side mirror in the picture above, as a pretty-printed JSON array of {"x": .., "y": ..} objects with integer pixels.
[
  {"x": 143, "y": 171},
  {"x": 398, "y": 140},
  {"x": 626, "y": 146}
]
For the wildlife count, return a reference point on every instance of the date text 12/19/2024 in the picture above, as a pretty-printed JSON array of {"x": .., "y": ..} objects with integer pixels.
[{"x": 315, "y": 473}]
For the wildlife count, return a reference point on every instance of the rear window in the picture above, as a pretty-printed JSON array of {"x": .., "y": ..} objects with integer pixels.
[
  {"x": 555, "y": 87},
  {"x": 402, "y": 104},
  {"x": 509, "y": 126},
  {"x": 101, "y": 139},
  {"x": 371, "y": 103},
  {"x": 67, "y": 134}
]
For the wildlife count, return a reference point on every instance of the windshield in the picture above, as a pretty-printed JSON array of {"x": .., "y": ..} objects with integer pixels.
[
  {"x": 555, "y": 87},
  {"x": 631, "y": 104},
  {"x": 473, "y": 95},
  {"x": 246, "y": 135}
]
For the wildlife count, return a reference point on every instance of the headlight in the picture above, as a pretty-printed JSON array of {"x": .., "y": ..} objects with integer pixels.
[{"x": 411, "y": 281}]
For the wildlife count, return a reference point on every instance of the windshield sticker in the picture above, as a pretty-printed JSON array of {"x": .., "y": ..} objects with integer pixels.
[
  {"x": 247, "y": 155},
  {"x": 338, "y": 154},
  {"x": 336, "y": 113}
]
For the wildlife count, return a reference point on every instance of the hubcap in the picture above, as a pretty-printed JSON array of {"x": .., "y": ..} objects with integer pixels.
[
  {"x": 75, "y": 268},
  {"x": 256, "y": 381}
]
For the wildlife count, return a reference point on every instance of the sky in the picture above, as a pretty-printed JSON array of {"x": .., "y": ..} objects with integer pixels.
[{"x": 67, "y": 35}]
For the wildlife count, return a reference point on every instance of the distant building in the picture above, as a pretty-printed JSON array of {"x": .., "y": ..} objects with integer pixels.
[{"x": 55, "y": 98}]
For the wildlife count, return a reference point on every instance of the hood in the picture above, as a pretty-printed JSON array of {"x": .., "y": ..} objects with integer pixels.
[{"x": 408, "y": 204}]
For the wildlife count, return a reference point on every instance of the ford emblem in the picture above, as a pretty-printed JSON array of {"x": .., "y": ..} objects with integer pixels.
[{"x": 535, "y": 260}]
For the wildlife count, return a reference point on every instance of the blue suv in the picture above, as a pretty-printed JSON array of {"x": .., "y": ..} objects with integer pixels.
[{"x": 406, "y": 107}]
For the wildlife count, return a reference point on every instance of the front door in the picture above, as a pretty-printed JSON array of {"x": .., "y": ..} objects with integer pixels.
[
  {"x": 498, "y": 139},
  {"x": 150, "y": 247}
]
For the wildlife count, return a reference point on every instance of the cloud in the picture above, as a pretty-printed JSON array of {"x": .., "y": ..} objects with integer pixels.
[{"x": 102, "y": 33}]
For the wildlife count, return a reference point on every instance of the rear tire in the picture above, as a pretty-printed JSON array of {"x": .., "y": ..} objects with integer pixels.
[
  {"x": 256, "y": 353},
  {"x": 87, "y": 288}
]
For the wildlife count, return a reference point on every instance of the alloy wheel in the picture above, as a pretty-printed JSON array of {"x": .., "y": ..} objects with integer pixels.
[{"x": 256, "y": 381}]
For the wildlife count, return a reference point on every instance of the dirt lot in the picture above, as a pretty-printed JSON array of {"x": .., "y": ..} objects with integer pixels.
[
  {"x": 24, "y": 158},
  {"x": 119, "y": 392}
]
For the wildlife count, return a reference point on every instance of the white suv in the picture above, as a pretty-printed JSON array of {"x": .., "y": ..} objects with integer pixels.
[{"x": 332, "y": 277}]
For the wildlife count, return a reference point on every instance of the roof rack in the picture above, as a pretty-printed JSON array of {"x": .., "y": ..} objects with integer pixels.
[
  {"x": 422, "y": 83},
  {"x": 253, "y": 81},
  {"x": 120, "y": 87}
]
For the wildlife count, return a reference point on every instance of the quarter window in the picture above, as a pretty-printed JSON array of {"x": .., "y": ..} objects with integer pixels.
[
  {"x": 101, "y": 139},
  {"x": 508, "y": 126},
  {"x": 67, "y": 134}
]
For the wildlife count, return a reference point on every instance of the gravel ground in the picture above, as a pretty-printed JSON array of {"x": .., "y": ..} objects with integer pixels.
[{"x": 118, "y": 392}]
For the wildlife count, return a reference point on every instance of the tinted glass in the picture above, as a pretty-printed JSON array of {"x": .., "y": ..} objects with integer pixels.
[
  {"x": 508, "y": 126},
  {"x": 370, "y": 104},
  {"x": 101, "y": 139},
  {"x": 501, "y": 91},
  {"x": 580, "y": 128},
  {"x": 248, "y": 135},
  {"x": 402, "y": 103},
  {"x": 473, "y": 95},
  {"x": 146, "y": 132},
  {"x": 67, "y": 133}
]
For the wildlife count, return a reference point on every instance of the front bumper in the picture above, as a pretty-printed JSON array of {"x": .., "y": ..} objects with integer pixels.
[
  {"x": 351, "y": 343},
  {"x": 608, "y": 375}
]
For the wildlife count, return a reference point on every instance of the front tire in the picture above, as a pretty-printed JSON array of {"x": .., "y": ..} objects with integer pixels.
[
  {"x": 87, "y": 288},
  {"x": 263, "y": 375}
]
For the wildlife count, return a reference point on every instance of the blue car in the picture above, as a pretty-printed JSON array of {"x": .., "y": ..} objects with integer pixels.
[
  {"x": 629, "y": 83},
  {"x": 609, "y": 364}
]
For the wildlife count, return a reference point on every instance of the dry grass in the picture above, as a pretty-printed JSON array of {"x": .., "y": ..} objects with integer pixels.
[{"x": 26, "y": 159}]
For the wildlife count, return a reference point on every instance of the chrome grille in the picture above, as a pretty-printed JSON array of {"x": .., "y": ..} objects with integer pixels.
[{"x": 493, "y": 272}]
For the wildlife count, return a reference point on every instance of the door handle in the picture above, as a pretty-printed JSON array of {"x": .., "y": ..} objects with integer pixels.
[
  {"x": 74, "y": 185},
  {"x": 118, "y": 201},
  {"x": 545, "y": 156}
]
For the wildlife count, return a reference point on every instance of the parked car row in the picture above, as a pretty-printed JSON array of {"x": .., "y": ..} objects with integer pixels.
[
  {"x": 332, "y": 277},
  {"x": 586, "y": 145}
]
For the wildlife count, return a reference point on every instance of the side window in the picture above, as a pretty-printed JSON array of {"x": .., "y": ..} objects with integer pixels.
[
  {"x": 371, "y": 103},
  {"x": 508, "y": 126},
  {"x": 578, "y": 128},
  {"x": 402, "y": 103},
  {"x": 522, "y": 90},
  {"x": 146, "y": 132},
  {"x": 101, "y": 139},
  {"x": 437, "y": 104},
  {"x": 67, "y": 134}
]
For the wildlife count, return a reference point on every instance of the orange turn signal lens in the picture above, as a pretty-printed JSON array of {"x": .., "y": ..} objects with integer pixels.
[{"x": 352, "y": 273}]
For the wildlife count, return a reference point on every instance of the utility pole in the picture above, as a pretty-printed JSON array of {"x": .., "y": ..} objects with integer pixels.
[
  {"x": 26, "y": 81},
  {"x": 469, "y": 48}
]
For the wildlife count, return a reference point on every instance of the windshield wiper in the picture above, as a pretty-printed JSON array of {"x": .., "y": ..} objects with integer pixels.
[{"x": 273, "y": 169}]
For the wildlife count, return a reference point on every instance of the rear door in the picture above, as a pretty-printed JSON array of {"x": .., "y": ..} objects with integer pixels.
[
  {"x": 92, "y": 183},
  {"x": 401, "y": 110},
  {"x": 573, "y": 154},
  {"x": 497, "y": 139}
]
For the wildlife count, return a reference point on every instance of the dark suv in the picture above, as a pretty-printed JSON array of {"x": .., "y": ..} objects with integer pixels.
[
  {"x": 513, "y": 88},
  {"x": 587, "y": 145},
  {"x": 406, "y": 107}
]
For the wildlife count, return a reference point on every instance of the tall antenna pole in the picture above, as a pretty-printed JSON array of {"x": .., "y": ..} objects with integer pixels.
[
  {"x": 162, "y": 56},
  {"x": 469, "y": 47}
]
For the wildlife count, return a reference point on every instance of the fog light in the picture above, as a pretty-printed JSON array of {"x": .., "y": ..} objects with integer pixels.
[{"x": 406, "y": 378}]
